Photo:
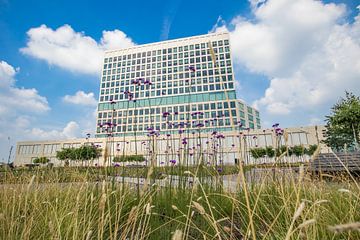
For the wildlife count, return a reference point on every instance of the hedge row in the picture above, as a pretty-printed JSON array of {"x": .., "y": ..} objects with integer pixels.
[
  {"x": 85, "y": 152},
  {"x": 298, "y": 150},
  {"x": 42, "y": 160},
  {"x": 129, "y": 158}
]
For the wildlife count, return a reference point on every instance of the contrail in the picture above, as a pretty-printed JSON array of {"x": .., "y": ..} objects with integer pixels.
[{"x": 170, "y": 13}]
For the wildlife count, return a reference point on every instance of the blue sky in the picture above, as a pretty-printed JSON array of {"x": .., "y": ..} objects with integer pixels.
[{"x": 293, "y": 59}]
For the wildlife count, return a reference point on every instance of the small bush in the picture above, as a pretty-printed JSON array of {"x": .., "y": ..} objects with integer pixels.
[
  {"x": 129, "y": 158},
  {"x": 298, "y": 150},
  {"x": 270, "y": 152},
  {"x": 41, "y": 160},
  {"x": 312, "y": 148}
]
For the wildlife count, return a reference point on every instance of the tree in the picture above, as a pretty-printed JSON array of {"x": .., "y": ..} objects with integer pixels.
[
  {"x": 311, "y": 150},
  {"x": 343, "y": 124},
  {"x": 298, "y": 150},
  {"x": 83, "y": 153},
  {"x": 270, "y": 152},
  {"x": 65, "y": 154},
  {"x": 87, "y": 152},
  {"x": 258, "y": 152}
]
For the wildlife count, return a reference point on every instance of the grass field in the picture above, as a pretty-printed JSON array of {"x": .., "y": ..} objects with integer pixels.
[{"x": 75, "y": 203}]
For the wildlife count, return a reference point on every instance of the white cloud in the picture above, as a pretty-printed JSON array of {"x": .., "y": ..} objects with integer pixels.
[
  {"x": 71, "y": 130},
  {"x": 115, "y": 40},
  {"x": 14, "y": 99},
  {"x": 21, "y": 109},
  {"x": 7, "y": 73},
  {"x": 308, "y": 50},
  {"x": 81, "y": 98},
  {"x": 220, "y": 25},
  {"x": 16, "y": 103},
  {"x": 72, "y": 50},
  {"x": 256, "y": 3}
]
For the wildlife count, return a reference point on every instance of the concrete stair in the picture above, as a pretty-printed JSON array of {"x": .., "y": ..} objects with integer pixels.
[{"x": 336, "y": 162}]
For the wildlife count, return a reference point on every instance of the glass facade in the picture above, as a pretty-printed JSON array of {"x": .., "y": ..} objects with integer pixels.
[{"x": 183, "y": 83}]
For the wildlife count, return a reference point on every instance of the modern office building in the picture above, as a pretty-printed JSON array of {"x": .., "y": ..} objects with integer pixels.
[
  {"x": 165, "y": 86},
  {"x": 182, "y": 92}
]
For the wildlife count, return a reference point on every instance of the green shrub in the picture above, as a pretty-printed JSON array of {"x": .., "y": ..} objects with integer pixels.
[
  {"x": 311, "y": 149},
  {"x": 280, "y": 150},
  {"x": 41, "y": 160},
  {"x": 270, "y": 152},
  {"x": 258, "y": 152},
  {"x": 298, "y": 150},
  {"x": 85, "y": 152},
  {"x": 129, "y": 158}
]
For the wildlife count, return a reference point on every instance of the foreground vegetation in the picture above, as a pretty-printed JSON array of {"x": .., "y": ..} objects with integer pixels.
[
  {"x": 295, "y": 208},
  {"x": 90, "y": 174}
]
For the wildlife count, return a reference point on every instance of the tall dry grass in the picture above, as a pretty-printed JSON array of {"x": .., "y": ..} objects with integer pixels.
[{"x": 287, "y": 207}]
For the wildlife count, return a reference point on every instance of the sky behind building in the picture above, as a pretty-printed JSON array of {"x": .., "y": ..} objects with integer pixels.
[{"x": 292, "y": 59}]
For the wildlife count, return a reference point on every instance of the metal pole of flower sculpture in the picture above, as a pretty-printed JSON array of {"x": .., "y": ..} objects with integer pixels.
[
  {"x": 148, "y": 84},
  {"x": 199, "y": 143},
  {"x": 165, "y": 117},
  {"x": 112, "y": 126},
  {"x": 188, "y": 126},
  {"x": 128, "y": 96},
  {"x": 137, "y": 83},
  {"x": 87, "y": 149}
]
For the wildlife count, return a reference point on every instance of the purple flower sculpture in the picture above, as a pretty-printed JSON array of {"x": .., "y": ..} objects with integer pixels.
[
  {"x": 147, "y": 82},
  {"x": 165, "y": 114},
  {"x": 192, "y": 68},
  {"x": 279, "y": 132}
]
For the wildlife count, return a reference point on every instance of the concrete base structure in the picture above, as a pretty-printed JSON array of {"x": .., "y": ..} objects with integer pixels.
[{"x": 225, "y": 148}]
